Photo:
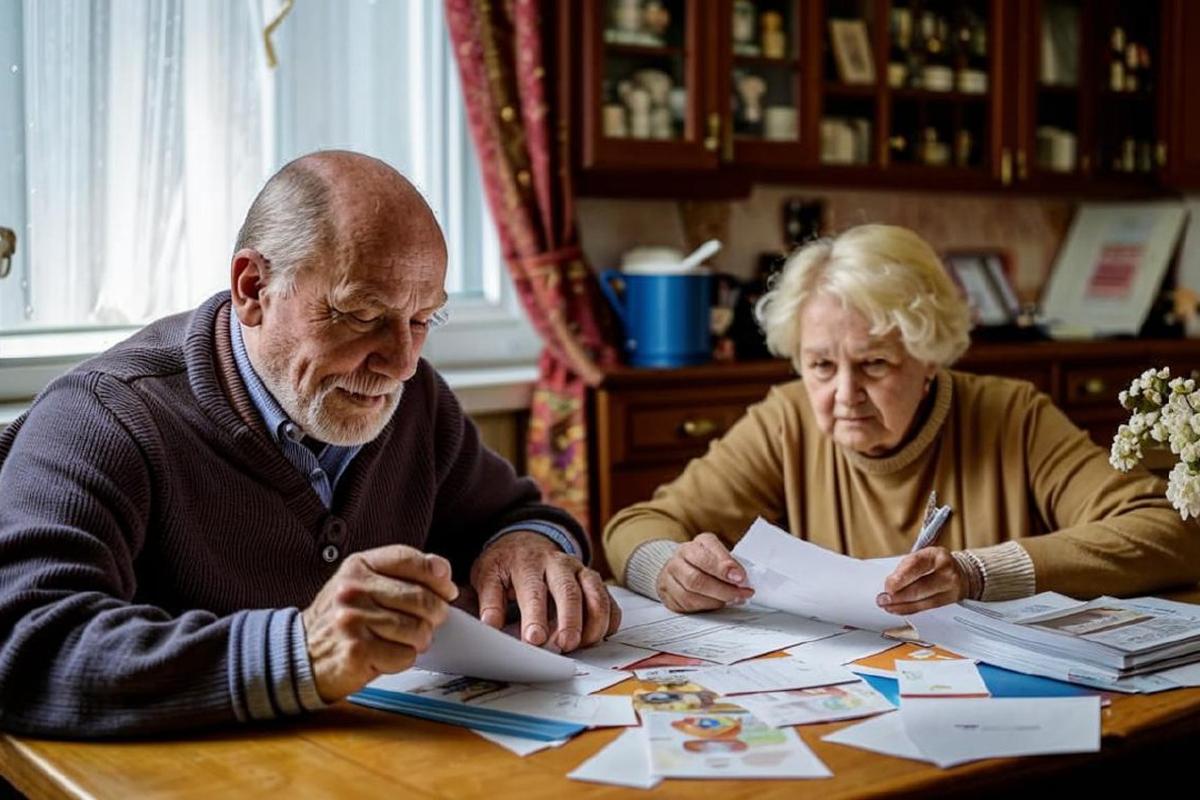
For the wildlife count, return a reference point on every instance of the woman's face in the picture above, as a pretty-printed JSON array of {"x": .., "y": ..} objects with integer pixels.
[{"x": 865, "y": 390}]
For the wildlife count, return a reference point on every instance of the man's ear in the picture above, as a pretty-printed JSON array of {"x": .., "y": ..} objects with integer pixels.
[{"x": 247, "y": 285}]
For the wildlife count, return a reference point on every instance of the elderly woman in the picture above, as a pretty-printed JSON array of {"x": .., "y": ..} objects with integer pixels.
[{"x": 847, "y": 456}]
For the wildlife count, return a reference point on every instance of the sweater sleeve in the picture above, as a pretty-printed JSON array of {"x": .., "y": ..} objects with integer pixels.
[
  {"x": 479, "y": 494},
  {"x": 81, "y": 655},
  {"x": 721, "y": 492},
  {"x": 1111, "y": 532}
]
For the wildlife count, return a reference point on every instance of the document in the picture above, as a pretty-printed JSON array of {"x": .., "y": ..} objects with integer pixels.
[
  {"x": 884, "y": 664},
  {"x": 820, "y": 704},
  {"x": 726, "y": 745},
  {"x": 793, "y": 575},
  {"x": 940, "y": 679},
  {"x": 624, "y": 762},
  {"x": 463, "y": 645},
  {"x": 724, "y": 636},
  {"x": 884, "y": 734},
  {"x": 495, "y": 706},
  {"x": 587, "y": 679},
  {"x": 769, "y": 675},
  {"x": 843, "y": 648},
  {"x": 519, "y": 744},
  {"x": 611, "y": 655},
  {"x": 950, "y": 732}
]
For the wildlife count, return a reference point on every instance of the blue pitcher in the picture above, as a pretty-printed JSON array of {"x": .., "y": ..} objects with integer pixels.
[{"x": 665, "y": 315}]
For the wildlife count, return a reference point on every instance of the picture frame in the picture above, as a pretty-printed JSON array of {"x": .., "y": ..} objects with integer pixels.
[
  {"x": 1111, "y": 268},
  {"x": 852, "y": 51},
  {"x": 983, "y": 278}
]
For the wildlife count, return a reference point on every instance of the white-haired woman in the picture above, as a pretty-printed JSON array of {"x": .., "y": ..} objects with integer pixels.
[{"x": 847, "y": 456}]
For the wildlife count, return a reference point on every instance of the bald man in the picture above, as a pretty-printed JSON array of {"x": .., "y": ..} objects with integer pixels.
[{"x": 254, "y": 508}]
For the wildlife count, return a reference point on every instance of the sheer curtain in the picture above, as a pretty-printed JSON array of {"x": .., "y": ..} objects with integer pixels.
[{"x": 147, "y": 133}]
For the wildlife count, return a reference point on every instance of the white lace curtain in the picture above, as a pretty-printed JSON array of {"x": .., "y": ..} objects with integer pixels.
[{"x": 147, "y": 133}]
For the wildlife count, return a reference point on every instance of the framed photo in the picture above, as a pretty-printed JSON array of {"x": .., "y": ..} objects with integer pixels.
[
  {"x": 984, "y": 281},
  {"x": 852, "y": 50},
  {"x": 1109, "y": 271}
]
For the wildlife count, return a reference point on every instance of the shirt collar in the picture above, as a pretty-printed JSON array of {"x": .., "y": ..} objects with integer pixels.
[{"x": 276, "y": 419}]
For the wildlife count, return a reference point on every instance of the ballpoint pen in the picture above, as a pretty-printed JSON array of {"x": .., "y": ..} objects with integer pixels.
[{"x": 931, "y": 529}]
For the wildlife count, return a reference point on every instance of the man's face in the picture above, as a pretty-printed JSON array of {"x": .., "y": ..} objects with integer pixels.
[{"x": 336, "y": 352}]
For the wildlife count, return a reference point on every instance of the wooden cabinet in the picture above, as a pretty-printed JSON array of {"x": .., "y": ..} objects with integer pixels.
[
  {"x": 647, "y": 424},
  {"x": 1182, "y": 74},
  {"x": 701, "y": 97}
]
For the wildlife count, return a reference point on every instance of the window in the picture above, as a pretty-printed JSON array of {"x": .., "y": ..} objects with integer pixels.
[{"x": 135, "y": 134}]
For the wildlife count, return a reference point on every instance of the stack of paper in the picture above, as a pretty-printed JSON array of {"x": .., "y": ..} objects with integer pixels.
[
  {"x": 1108, "y": 643},
  {"x": 494, "y": 706}
]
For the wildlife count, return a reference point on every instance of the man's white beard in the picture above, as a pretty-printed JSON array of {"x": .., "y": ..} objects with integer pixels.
[{"x": 312, "y": 413}]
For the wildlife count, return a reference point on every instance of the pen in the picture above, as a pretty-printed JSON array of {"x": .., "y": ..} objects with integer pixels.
[
  {"x": 931, "y": 508},
  {"x": 930, "y": 530}
]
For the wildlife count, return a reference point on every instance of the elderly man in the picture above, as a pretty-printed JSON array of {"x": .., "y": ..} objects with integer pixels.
[{"x": 167, "y": 508}]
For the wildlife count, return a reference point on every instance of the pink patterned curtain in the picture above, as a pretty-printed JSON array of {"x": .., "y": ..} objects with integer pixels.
[{"x": 501, "y": 57}]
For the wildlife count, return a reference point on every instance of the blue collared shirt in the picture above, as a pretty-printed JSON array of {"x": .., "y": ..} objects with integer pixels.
[{"x": 324, "y": 467}]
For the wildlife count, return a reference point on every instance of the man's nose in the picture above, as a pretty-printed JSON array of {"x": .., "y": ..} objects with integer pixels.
[{"x": 396, "y": 352}]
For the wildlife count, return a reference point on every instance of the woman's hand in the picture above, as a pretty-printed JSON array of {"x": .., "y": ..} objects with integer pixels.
[
  {"x": 702, "y": 576},
  {"x": 925, "y": 579}
]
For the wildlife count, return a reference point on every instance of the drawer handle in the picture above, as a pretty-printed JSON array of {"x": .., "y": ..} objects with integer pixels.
[
  {"x": 698, "y": 428},
  {"x": 1093, "y": 387}
]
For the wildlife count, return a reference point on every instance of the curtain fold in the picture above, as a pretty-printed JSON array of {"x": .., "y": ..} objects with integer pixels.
[
  {"x": 502, "y": 58},
  {"x": 145, "y": 143}
]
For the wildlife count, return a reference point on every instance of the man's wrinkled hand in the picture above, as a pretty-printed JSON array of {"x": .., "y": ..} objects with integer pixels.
[
  {"x": 373, "y": 617},
  {"x": 530, "y": 568}
]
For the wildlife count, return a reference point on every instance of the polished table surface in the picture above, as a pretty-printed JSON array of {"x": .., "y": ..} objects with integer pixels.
[{"x": 349, "y": 751}]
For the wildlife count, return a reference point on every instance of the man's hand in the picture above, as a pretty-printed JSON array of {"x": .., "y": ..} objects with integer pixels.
[
  {"x": 373, "y": 617},
  {"x": 925, "y": 579},
  {"x": 701, "y": 576},
  {"x": 524, "y": 565}
]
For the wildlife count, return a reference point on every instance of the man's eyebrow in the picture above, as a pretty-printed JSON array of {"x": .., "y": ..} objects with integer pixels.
[{"x": 358, "y": 295}]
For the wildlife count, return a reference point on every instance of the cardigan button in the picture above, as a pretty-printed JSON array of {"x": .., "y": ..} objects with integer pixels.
[
  {"x": 333, "y": 529},
  {"x": 330, "y": 553}
]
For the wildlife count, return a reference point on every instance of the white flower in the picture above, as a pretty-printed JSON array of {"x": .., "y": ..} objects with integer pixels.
[
  {"x": 1164, "y": 410},
  {"x": 1183, "y": 490}
]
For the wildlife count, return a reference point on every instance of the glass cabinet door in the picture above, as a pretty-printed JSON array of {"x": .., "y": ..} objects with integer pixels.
[
  {"x": 647, "y": 85},
  {"x": 764, "y": 82}
]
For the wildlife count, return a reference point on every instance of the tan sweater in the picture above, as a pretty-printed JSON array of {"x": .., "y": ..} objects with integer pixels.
[{"x": 1009, "y": 463}]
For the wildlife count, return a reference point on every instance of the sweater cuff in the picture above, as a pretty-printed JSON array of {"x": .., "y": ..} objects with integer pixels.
[
  {"x": 269, "y": 672},
  {"x": 641, "y": 573},
  {"x": 1007, "y": 572},
  {"x": 553, "y": 532},
  {"x": 970, "y": 566}
]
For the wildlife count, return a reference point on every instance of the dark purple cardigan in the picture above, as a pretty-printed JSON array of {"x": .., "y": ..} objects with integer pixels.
[{"x": 155, "y": 544}]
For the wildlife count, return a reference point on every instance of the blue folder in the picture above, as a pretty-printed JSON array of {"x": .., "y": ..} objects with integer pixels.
[{"x": 479, "y": 717}]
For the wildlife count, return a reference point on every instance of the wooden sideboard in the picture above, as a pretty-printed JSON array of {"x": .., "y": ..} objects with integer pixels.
[{"x": 647, "y": 423}]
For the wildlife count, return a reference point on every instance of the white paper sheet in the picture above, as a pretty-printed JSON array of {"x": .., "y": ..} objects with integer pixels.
[
  {"x": 940, "y": 679},
  {"x": 727, "y": 745},
  {"x": 665, "y": 674},
  {"x": 518, "y": 744},
  {"x": 611, "y": 655},
  {"x": 821, "y": 704},
  {"x": 595, "y": 711},
  {"x": 769, "y": 675},
  {"x": 843, "y": 648},
  {"x": 624, "y": 762},
  {"x": 884, "y": 734},
  {"x": 587, "y": 679},
  {"x": 801, "y": 578},
  {"x": 463, "y": 645},
  {"x": 724, "y": 636},
  {"x": 950, "y": 732}
]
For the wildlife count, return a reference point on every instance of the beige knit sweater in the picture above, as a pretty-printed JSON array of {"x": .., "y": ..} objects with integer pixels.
[{"x": 1009, "y": 463}]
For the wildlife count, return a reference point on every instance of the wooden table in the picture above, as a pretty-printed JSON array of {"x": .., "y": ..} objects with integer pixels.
[{"x": 348, "y": 751}]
